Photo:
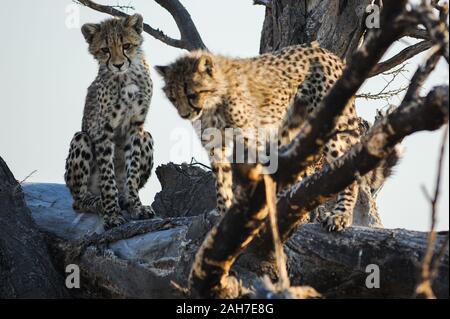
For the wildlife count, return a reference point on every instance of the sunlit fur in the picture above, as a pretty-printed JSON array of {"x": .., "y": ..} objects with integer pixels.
[
  {"x": 275, "y": 91},
  {"x": 111, "y": 159},
  {"x": 115, "y": 43},
  {"x": 194, "y": 84}
]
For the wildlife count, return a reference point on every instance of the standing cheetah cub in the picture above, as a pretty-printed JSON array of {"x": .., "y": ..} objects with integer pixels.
[
  {"x": 111, "y": 159},
  {"x": 257, "y": 93}
]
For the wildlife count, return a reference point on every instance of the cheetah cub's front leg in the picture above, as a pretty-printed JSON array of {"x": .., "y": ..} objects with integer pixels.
[
  {"x": 138, "y": 152},
  {"x": 138, "y": 165},
  {"x": 221, "y": 168},
  {"x": 342, "y": 214},
  {"x": 109, "y": 193},
  {"x": 80, "y": 166}
]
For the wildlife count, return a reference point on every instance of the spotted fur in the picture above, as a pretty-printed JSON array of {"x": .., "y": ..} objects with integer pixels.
[
  {"x": 260, "y": 92},
  {"x": 112, "y": 157}
]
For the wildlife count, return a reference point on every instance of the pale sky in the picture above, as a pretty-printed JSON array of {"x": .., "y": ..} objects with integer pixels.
[{"x": 45, "y": 70}]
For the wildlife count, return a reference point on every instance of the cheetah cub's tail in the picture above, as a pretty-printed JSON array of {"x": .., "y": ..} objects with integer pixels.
[{"x": 379, "y": 175}]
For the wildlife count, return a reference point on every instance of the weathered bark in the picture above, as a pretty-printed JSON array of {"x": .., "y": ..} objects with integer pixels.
[
  {"x": 26, "y": 269},
  {"x": 338, "y": 26},
  {"x": 290, "y": 22},
  {"x": 335, "y": 264},
  {"x": 186, "y": 191},
  {"x": 188, "y": 30}
]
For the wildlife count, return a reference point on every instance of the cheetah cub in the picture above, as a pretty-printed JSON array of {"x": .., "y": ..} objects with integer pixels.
[
  {"x": 259, "y": 92},
  {"x": 111, "y": 158}
]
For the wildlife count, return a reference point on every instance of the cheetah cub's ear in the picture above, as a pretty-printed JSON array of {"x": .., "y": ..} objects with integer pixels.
[
  {"x": 136, "y": 22},
  {"x": 205, "y": 64},
  {"x": 89, "y": 30},
  {"x": 162, "y": 70}
]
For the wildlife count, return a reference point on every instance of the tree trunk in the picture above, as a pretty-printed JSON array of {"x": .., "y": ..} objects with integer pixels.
[
  {"x": 26, "y": 269},
  {"x": 337, "y": 25}
]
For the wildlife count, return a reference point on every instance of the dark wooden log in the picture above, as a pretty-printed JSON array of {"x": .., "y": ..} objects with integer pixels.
[
  {"x": 26, "y": 269},
  {"x": 335, "y": 264}
]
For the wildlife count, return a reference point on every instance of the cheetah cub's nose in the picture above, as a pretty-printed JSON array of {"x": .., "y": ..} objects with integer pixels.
[{"x": 118, "y": 66}]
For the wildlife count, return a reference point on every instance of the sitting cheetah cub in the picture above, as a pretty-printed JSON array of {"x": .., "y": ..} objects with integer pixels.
[
  {"x": 259, "y": 92},
  {"x": 111, "y": 159}
]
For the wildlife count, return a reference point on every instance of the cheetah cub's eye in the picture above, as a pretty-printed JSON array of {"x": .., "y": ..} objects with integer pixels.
[
  {"x": 192, "y": 96},
  {"x": 126, "y": 46},
  {"x": 105, "y": 50}
]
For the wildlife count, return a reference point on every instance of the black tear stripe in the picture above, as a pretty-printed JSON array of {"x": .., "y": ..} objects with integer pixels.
[
  {"x": 129, "y": 60},
  {"x": 195, "y": 108},
  {"x": 186, "y": 91},
  {"x": 109, "y": 54}
]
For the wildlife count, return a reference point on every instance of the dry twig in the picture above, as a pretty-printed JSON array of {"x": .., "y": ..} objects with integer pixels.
[
  {"x": 190, "y": 38},
  {"x": 430, "y": 267}
]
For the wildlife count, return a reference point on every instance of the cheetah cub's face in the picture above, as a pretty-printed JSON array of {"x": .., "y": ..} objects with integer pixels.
[
  {"x": 193, "y": 83},
  {"x": 115, "y": 43}
]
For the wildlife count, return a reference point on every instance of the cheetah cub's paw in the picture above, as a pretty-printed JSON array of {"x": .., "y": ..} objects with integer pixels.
[
  {"x": 142, "y": 212},
  {"x": 335, "y": 221},
  {"x": 113, "y": 220}
]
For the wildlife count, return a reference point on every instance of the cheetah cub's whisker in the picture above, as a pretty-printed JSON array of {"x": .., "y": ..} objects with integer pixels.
[
  {"x": 111, "y": 158},
  {"x": 260, "y": 92}
]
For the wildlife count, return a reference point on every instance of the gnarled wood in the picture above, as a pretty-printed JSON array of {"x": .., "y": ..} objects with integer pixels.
[
  {"x": 337, "y": 25},
  {"x": 26, "y": 269}
]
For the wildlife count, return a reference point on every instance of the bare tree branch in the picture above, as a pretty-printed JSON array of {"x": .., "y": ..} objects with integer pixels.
[
  {"x": 385, "y": 93},
  {"x": 318, "y": 128},
  {"x": 382, "y": 95},
  {"x": 421, "y": 76},
  {"x": 394, "y": 125},
  {"x": 271, "y": 195},
  {"x": 440, "y": 256},
  {"x": 401, "y": 57},
  {"x": 428, "y": 270},
  {"x": 420, "y": 114},
  {"x": 266, "y": 3},
  {"x": 437, "y": 26},
  {"x": 190, "y": 39},
  {"x": 188, "y": 30},
  {"x": 417, "y": 34}
]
